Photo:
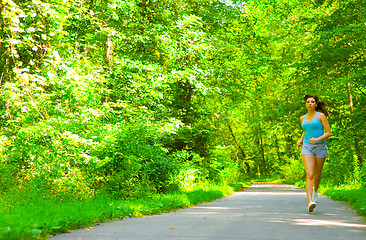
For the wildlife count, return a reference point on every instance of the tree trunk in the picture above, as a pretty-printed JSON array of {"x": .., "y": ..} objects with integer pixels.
[
  {"x": 260, "y": 143},
  {"x": 108, "y": 50},
  {"x": 356, "y": 141},
  {"x": 143, "y": 16},
  {"x": 185, "y": 99},
  {"x": 240, "y": 149},
  {"x": 278, "y": 149}
]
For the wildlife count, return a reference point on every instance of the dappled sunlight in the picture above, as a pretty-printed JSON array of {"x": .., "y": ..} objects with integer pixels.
[
  {"x": 329, "y": 223},
  {"x": 200, "y": 213},
  {"x": 271, "y": 193},
  {"x": 318, "y": 222},
  {"x": 210, "y": 210},
  {"x": 218, "y": 208},
  {"x": 274, "y": 185}
]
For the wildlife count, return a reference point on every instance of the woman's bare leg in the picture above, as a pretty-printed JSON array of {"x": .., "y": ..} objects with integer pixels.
[
  {"x": 309, "y": 164},
  {"x": 319, "y": 163}
]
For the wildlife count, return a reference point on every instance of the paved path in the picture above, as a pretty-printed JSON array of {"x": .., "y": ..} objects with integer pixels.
[{"x": 263, "y": 211}]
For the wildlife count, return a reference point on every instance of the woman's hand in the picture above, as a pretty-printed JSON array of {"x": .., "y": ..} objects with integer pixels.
[
  {"x": 299, "y": 143},
  {"x": 313, "y": 140}
]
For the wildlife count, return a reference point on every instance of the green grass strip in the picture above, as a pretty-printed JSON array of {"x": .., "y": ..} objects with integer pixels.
[
  {"x": 42, "y": 218},
  {"x": 354, "y": 195}
]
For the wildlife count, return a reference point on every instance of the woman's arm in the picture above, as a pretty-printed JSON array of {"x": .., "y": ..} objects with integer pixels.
[
  {"x": 299, "y": 143},
  {"x": 327, "y": 130}
]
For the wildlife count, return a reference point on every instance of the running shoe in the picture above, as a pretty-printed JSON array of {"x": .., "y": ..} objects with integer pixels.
[{"x": 311, "y": 206}]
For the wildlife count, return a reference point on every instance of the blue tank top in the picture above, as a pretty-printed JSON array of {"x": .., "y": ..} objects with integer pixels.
[{"x": 313, "y": 128}]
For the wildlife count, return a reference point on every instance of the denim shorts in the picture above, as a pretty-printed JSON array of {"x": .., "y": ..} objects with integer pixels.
[{"x": 318, "y": 150}]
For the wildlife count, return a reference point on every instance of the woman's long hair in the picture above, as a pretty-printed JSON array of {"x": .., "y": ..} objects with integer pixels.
[{"x": 321, "y": 105}]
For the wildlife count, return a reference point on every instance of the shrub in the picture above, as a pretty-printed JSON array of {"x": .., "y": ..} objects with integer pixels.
[{"x": 294, "y": 171}]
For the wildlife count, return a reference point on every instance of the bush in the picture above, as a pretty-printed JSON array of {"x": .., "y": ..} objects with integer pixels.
[
  {"x": 71, "y": 158},
  {"x": 228, "y": 171},
  {"x": 294, "y": 171},
  {"x": 131, "y": 160},
  {"x": 363, "y": 176}
]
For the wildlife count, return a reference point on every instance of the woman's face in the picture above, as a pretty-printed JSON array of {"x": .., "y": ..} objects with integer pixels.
[{"x": 311, "y": 103}]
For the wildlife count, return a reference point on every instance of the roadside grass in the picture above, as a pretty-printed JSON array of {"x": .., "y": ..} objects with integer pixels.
[
  {"x": 39, "y": 218},
  {"x": 354, "y": 195}
]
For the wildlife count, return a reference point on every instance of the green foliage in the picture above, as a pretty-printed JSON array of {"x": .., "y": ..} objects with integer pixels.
[
  {"x": 227, "y": 170},
  {"x": 134, "y": 98},
  {"x": 132, "y": 160},
  {"x": 294, "y": 171}
]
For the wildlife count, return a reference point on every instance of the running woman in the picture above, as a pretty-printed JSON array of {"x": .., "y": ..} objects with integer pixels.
[{"x": 314, "y": 150}]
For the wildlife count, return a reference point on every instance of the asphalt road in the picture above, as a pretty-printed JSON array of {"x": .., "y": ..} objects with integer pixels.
[{"x": 263, "y": 211}]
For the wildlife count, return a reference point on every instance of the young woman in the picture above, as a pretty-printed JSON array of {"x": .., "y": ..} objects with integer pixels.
[{"x": 314, "y": 150}]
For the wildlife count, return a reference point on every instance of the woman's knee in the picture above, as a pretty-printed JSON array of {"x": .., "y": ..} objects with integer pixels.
[{"x": 309, "y": 176}]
